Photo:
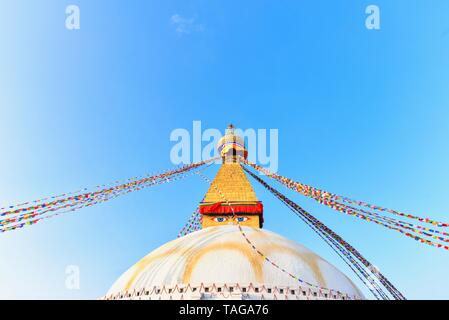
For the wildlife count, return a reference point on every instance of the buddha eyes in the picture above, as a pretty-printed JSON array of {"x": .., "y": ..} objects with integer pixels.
[{"x": 223, "y": 219}]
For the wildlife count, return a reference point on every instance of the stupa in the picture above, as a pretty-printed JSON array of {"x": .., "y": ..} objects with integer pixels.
[{"x": 232, "y": 256}]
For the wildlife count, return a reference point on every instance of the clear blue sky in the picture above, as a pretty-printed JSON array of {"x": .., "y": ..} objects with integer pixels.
[{"x": 361, "y": 113}]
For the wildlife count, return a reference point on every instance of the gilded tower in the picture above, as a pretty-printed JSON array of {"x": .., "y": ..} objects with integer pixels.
[{"x": 231, "y": 198}]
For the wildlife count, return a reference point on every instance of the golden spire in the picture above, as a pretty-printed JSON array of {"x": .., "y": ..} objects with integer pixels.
[{"x": 231, "y": 195}]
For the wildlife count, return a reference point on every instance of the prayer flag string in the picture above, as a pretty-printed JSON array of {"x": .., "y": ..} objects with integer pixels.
[
  {"x": 419, "y": 233},
  {"x": 20, "y": 217},
  {"x": 336, "y": 238}
]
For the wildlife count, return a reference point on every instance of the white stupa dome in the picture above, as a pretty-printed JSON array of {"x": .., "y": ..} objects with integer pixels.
[{"x": 218, "y": 263}]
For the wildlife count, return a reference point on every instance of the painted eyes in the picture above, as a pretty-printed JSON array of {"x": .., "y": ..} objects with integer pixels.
[{"x": 223, "y": 219}]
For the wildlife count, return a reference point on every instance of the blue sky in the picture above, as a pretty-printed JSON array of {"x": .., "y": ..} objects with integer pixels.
[{"x": 360, "y": 112}]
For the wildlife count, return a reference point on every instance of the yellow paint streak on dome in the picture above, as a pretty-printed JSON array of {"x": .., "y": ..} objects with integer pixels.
[
  {"x": 195, "y": 252},
  {"x": 256, "y": 261},
  {"x": 310, "y": 259},
  {"x": 144, "y": 262}
]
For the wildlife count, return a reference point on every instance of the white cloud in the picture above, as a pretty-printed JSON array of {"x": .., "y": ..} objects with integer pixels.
[{"x": 185, "y": 25}]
